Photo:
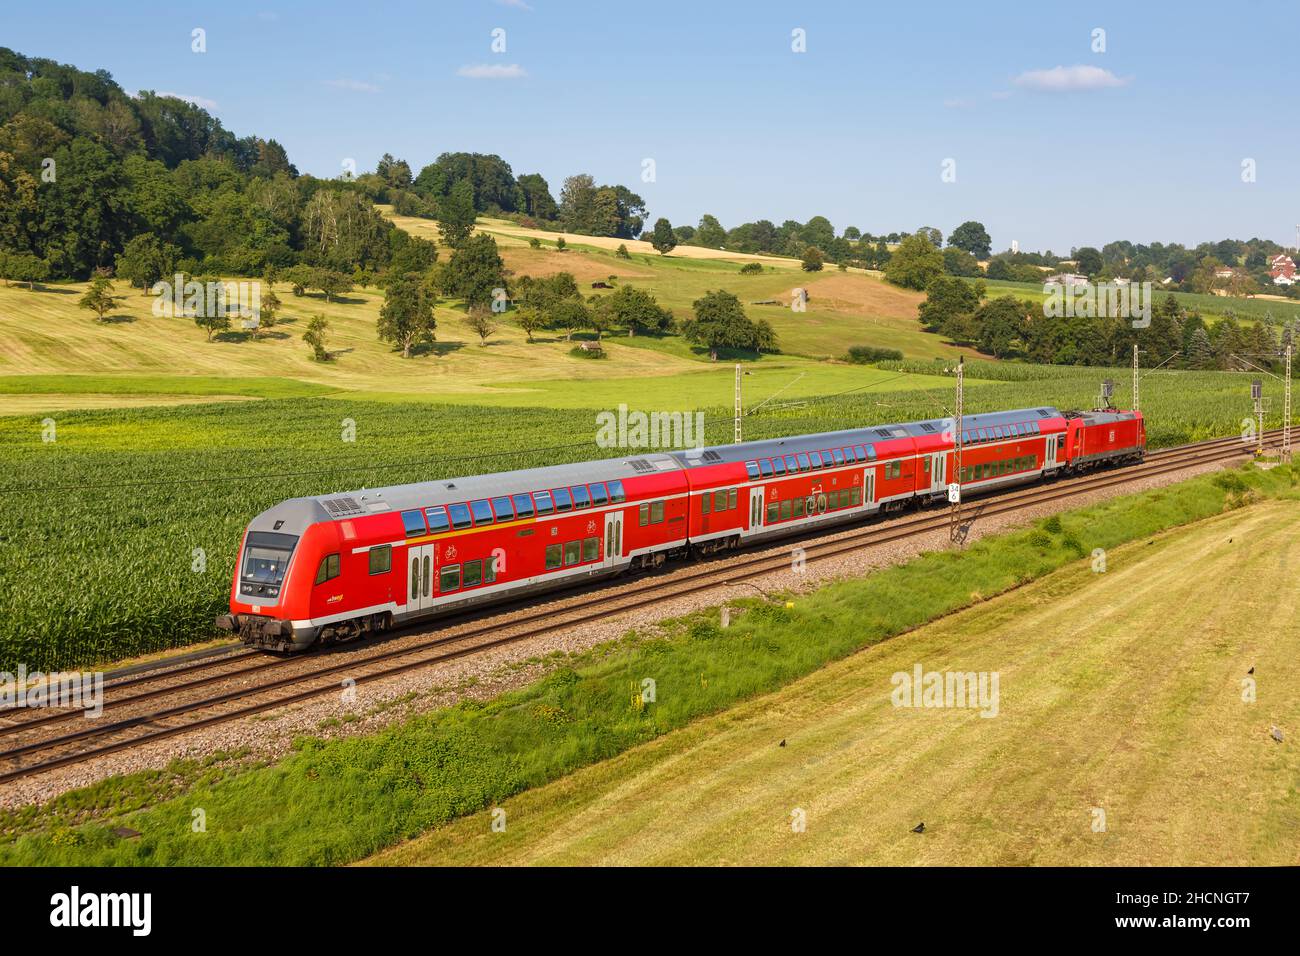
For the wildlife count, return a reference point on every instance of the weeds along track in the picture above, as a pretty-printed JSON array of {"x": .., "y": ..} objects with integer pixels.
[{"x": 178, "y": 696}]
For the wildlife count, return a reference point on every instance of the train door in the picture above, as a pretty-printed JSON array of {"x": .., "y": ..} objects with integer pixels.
[
  {"x": 613, "y": 537},
  {"x": 419, "y": 577},
  {"x": 938, "y": 483},
  {"x": 755, "y": 509},
  {"x": 869, "y": 488},
  {"x": 1049, "y": 453}
]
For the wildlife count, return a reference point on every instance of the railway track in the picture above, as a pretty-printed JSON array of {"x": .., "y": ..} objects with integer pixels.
[{"x": 255, "y": 678}]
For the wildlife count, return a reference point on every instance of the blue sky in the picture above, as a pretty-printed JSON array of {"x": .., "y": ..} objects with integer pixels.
[{"x": 856, "y": 128}]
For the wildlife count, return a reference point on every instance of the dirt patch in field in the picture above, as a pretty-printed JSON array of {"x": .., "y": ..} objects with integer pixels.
[
  {"x": 546, "y": 262},
  {"x": 850, "y": 294}
]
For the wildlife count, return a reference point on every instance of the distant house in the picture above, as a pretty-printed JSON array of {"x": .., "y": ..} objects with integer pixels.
[
  {"x": 1281, "y": 269},
  {"x": 1066, "y": 279},
  {"x": 1225, "y": 273}
]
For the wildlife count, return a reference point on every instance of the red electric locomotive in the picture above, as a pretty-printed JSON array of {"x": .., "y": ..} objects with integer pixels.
[{"x": 335, "y": 567}]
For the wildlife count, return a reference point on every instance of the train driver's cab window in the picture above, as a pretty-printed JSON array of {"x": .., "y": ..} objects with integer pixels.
[{"x": 329, "y": 568}]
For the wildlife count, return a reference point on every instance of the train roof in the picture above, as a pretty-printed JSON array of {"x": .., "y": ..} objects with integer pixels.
[
  {"x": 1098, "y": 417},
  {"x": 423, "y": 494},
  {"x": 768, "y": 448}
]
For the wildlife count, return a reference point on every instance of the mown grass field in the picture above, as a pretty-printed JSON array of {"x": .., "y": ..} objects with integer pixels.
[
  {"x": 1119, "y": 692},
  {"x": 353, "y": 797},
  {"x": 1211, "y": 307}
]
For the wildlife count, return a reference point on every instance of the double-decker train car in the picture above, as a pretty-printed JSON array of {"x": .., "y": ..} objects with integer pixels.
[{"x": 335, "y": 567}]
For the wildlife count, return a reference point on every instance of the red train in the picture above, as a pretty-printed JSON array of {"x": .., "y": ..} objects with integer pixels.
[{"x": 335, "y": 567}]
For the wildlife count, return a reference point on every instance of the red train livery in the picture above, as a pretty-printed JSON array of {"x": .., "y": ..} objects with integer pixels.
[{"x": 335, "y": 567}]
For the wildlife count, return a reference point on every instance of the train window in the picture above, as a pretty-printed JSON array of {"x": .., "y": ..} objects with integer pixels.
[
  {"x": 839, "y": 456},
  {"x": 329, "y": 568},
  {"x": 791, "y": 464},
  {"x": 553, "y": 558},
  {"x": 562, "y": 500},
  {"x": 643, "y": 515},
  {"x": 590, "y": 549},
  {"x": 765, "y": 467},
  {"x": 751, "y": 469},
  {"x": 502, "y": 506},
  {"x": 545, "y": 504},
  {"x": 598, "y": 494},
  {"x": 778, "y": 466},
  {"x": 786, "y": 510},
  {"x": 656, "y": 512},
  {"x": 815, "y": 457},
  {"x": 720, "y": 500},
  {"x": 482, "y": 511},
  {"x": 473, "y": 574},
  {"x": 798, "y": 507},
  {"x": 437, "y": 518},
  {"x": 705, "y": 501},
  {"x": 571, "y": 552},
  {"x": 731, "y": 499},
  {"x": 1060, "y": 443},
  {"x": 381, "y": 559},
  {"x": 616, "y": 495},
  {"x": 855, "y": 496},
  {"x": 414, "y": 522},
  {"x": 926, "y": 464},
  {"x": 804, "y": 463},
  {"x": 449, "y": 578},
  {"x": 459, "y": 516},
  {"x": 489, "y": 569},
  {"x": 523, "y": 506},
  {"x": 773, "y": 510},
  {"x": 581, "y": 498}
]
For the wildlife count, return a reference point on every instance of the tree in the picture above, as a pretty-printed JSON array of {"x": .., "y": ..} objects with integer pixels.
[
  {"x": 529, "y": 321},
  {"x": 270, "y": 305},
  {"x": 560, "y": 244},
  {"x": 622, "y": 253},
  {"x": 475, "y": 271},
  {"x": 1200, "y": 351},
  {"x": 710, "y": 233},
  {"x": 947, "y": 298},
  {"x": 999, "y": 323},
  {"x": 1088, "y": 260},
  {"x": 99, "y": 297},
  {"x": 479, "y": 320},
  {"x": 959, "y": 262},
  {"x": 315, "y": 337},
  {"x": 915, "y": 263},
  {"x": 212, "y": 320},
  {"x": 720, "y": 322},
  {"x": 634, "y": 309},
  {"x": 813, "y": 260},
  {"x": 406, "y": 317},
  {"x": 456, "y": 214},
  {"x": 972, "y": 237},
  {"x": 663, "y": 238},
  {"x": 330, "y": 282},
  {"x": 144, "y": 260},
  {"x": 25, "y": 267},
  {"x": 933, "y": 234}
]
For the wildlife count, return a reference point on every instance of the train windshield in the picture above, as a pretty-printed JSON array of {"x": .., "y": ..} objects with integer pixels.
[{"x": 266, "y": 557}]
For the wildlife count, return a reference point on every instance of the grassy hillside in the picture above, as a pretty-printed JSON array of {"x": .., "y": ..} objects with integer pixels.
[
  {"x": 1120, "y": 691},
  {"x": 149, "y": 359}
]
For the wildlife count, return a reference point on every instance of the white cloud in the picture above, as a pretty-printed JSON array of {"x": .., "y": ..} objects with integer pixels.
[
  {"x": 485, "y": 71},
  {"x": 355, "y": 85},
  {"x": 200, "y": 101},
  {"x": 1068, "y": 79}
]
